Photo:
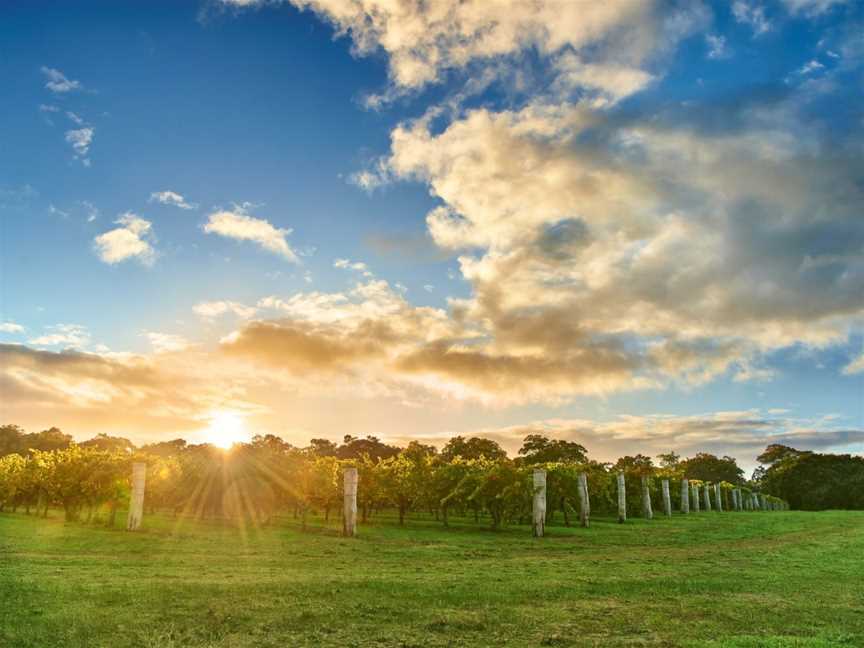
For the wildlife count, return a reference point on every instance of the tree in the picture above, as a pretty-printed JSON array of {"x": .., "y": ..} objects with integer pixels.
[
  {"x": 47, "y": 440},
  {"x": 322, "y": 448},
  {"x": 354, "y": 448},
  {"x": 472, "y": 448},
  {"x": 670, "y": 460},
  {"x": 538, "y": 449},
  {"x": 109, "y": 443},
  {"x": 710, "y": 468},
  {"x": 11, "y": 440}
]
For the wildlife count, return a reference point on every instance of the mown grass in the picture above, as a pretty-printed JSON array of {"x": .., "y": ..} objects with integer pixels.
[{"x": 742, "y": 580}]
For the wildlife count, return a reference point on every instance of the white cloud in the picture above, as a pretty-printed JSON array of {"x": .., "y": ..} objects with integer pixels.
[
  {"x": 11, "y": 327},
  {"x": 68, "y": 335},
  {"x": 612, "y": 82},
  {"x": 166, "y": 342},
  {"x": 422, "y": 40},
  {"x": 856, "y": 366},
  {"x": 80, "y": 140},
  {"x": 212, "y": 309},
  {"x": 171, "y": 198},
  {"x": 57, "y": 81},
  {"x": 811, "y": 8},
  {"x": 811, "y": 66},
  {"x": 240, "y": 226},
  {"x": 57, "y": 212},
  {"x": 356, "y": 266},
  {"x": 752, "y": 14},
  {"x": 90, "y": 210},
  {"x": 132, "y": 240},
  {"x": 716, "y": 46},
  {"x": 75, "y": 118}
]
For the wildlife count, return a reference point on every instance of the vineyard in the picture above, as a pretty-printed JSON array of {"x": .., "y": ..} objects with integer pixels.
[{"x": 255, "y": 482}]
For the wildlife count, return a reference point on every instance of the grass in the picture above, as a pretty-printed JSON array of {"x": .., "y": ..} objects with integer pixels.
[{"x": 742, "y": 580}]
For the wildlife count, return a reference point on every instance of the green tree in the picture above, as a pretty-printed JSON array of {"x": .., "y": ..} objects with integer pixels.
[
  {"x": 537, "y": 449},
  {"x": 472, "y": 448}
]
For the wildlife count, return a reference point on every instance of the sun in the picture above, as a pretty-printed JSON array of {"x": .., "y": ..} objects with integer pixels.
[{"x": 226, "y": 429}]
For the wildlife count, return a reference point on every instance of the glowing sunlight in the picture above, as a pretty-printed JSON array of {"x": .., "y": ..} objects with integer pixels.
[{"x": 226, "y": 429}]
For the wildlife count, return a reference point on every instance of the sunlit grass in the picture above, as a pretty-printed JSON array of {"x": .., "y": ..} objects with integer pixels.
[{"x": 774, "y": 579}]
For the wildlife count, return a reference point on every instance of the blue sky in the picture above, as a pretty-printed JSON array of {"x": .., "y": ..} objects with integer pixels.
[{"x": 637, "y": 225}]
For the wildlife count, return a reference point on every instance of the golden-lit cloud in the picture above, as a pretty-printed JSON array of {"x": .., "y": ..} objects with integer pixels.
[{"x": 132, "y": 240}]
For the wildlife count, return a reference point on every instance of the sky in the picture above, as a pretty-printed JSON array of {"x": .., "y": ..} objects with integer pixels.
[{"x": 637, "y": 225}]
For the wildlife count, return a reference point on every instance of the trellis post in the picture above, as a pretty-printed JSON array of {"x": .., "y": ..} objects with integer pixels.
[
  {"x": 584, "y": 501},
  {"x": 667, "y": 498},
  {"x": 695, "y": 498},
  {"x": 685, "y": 496},
  {"x": 539, "y": 508},
  {"x": 136, "y": 499},
  {"x": 718, "y": 498},
  {"x": 349, "y": 502},
  {"x": 706, "y": 494},
  {"x": 622, "y": 499},
  {"x": 647, "y": 511}
]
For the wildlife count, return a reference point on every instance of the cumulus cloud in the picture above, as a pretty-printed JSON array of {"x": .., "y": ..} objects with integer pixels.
[
  {"x": 424, "y": 40},
  {"x": 132, "y": 240},
  {"x": 57, "y": 82},
  {"x": 171, "y": 198},
  {"x": 356, "y": 266},
  {"x": 239, "y": 225}
]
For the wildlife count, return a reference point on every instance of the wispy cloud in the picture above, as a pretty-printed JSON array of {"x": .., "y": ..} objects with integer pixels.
[
  {"x": 171, "y": 198},
  {"x": 132, "y": 240},
  {"x": 751, "y": 14},
  {"x": 356, "y": 266},
  {"x": 57, "y": 82},
  {"x": 212, "y": 309},
  {"x": 80, "y": 140},
  {"x": 717, "y": 48},
  {"x": 67, "y": 335},
  {"x": 166, "y": 342},
  {"x": 240, "y": 226},
  {"x": 11, "y": 327}
]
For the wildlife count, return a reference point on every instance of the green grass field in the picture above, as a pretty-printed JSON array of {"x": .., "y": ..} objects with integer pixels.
[{"x": 730, "y": 579}]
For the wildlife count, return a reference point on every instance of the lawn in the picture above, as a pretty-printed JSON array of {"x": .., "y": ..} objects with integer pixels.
[{"x": 713, "y": 580}]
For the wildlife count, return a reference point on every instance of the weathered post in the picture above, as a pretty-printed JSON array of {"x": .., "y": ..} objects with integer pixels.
[
  {"x": 136, "y": 499},
  {"x": 647, "y": 512},
  {"x": 706, "y": 492},
  {"x": 539, "y": 502},
  {"x": 349, "y": 502},
  {"x": 622, "y": 499},
  {"x": 685, "y": 496},
  {"x": 667, "y": 499},
  {"x": 718, "y": 498},
  {"x": 695, "y": 498},
  {"x": 764, "y": 502},
  {"x": 584, "y": 501},
  {"x": 754, "y": 501}
]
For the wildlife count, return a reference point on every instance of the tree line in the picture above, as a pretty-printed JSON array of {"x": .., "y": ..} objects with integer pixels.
[{"x": 255, "y": 481}]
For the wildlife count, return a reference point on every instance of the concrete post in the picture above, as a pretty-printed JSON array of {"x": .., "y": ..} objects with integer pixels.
[
  {"x": 685, "y": 496},
  {"x": 622, "y": 499},
  {"x": 667, "y": 498},
  {"x": 584, "y": 501},
  {"x": 350, "y": 479},
  {"x": 647, "y": 511},
  {"x": 706, "y": 493},
  {"x": 539, "y": 502},
  {"x": 718, "y": 498},
  {"x": 136, "y": 499},
  {"x": 695, "y": 498}
]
